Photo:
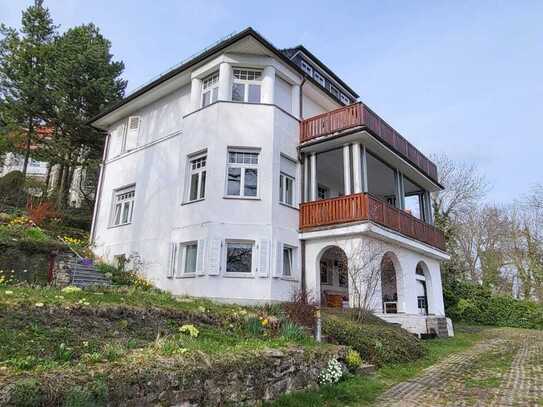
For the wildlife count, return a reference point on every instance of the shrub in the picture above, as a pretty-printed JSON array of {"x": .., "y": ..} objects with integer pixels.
[
  {"x": 353, "y": 359},
  {"x": 35, "y": 234},
  {"x": 477, "y": 304},
  {"x": 41, "y": 212},
  {"x": 378, "y": 344},
  {"x": 301, "y": 309},
  {"x": 190, "y": 330},
  {"x": 121, "y": 277},
  {"x": 332, "y": 373}
]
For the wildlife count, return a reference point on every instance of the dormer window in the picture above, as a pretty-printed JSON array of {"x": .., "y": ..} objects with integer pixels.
[
  {"x": 319, "y": 78},
  {"x": 210, "y": 89},
  {"x": 306, "y": 68},
  {"x": 246, "y": 85}
]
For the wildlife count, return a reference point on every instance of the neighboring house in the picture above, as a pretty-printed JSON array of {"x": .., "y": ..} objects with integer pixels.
[
  {"x": 83, "y": 183},
  {"x": 249, "y": 172}
]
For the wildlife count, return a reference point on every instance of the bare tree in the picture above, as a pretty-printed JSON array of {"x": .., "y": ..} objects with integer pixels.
[
  {"x": 362, "y": 263},
  {"x": 464, "y": 186}
]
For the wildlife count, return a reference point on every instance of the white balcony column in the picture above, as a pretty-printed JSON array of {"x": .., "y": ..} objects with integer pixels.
[
  {"x": 268, "y": 85},
  {"x": 295, "y": 97},
  {"x": 313, "y": 171},
  {"x": 364, "y": 170},
  {"x": 195, "y": 94},
  {"x": 399, "y": 190},
  {"x": 347, "y": 169},
  {"x": 225, "y": 81},
  {"x": 306, "y": 178},
  {"x": 357, "y": 169}
]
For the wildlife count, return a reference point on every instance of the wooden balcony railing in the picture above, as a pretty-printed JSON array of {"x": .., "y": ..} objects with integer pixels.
[
  {"x": 359, "y": 114},
  {"x": 358, "y": 207}
]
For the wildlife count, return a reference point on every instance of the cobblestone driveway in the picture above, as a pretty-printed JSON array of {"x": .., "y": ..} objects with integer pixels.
[{"x": 506, "y": 369}]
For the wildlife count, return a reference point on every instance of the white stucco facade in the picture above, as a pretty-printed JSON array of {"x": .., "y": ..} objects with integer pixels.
[{"x": 171, "y": 210}]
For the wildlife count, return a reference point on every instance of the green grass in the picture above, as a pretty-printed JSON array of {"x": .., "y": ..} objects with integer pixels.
[
  {"x": 364, "y": 390},
  {"x": 48, "y": 329}
]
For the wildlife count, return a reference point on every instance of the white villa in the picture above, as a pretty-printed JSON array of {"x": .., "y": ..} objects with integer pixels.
[{"x": 250, "y": 172}]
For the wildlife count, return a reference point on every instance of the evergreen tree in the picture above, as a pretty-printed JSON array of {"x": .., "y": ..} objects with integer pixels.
[
  {"x": 24, "y": 59},
  {"x": 84, "y": 78}
]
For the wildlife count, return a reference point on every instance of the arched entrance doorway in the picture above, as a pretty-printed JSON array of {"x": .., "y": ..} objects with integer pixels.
[
  {"x": 334, "y": 278},
  {"x": 389, "y": 285},
  {"x": 423, "y": 284}
]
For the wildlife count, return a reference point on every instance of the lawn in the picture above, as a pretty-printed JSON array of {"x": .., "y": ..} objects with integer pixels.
[{"x": 363, "y": 391}]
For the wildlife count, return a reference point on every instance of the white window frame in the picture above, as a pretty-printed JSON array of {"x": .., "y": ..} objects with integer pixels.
[
  {"x": 334, "y": 91},
  {"x": 119, "y": 202},
  {"x": 210, "y": 84},
  {"x": 308, "y": 69},
  {"x": 251, "y": 273},
  {"x": 319, "y": 78},
  {"x": 201, "y": 172},
  {"x": 246, "y": 77},
  {"x": 292, "y": 251},
  {"x": 243, "y": 167},
  {"x": 180, "y": 262},
  {"x": 283, "y": 178},
  {"x": 344, "y": 99}
]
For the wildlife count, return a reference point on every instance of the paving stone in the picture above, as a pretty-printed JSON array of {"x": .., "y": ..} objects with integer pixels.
[{"x": 468, "y": 379}]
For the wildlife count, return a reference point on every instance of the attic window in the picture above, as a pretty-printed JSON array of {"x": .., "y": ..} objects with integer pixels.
[
  {"x": 319, "y": 78},
  {"x": 334, "y": 91},
  {"x": 344, "y": 99},
  {"x": 306, "y": 68}
]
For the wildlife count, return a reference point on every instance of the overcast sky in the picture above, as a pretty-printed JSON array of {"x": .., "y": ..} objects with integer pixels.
[{"x": 460, "y": 77}]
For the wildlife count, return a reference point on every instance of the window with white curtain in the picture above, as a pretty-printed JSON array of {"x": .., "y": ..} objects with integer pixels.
[
  {"x": 288, "y": 261},
  {"x": 123, "y": 205},
  {"x": 242, "y": 173},
  {"x": 210, "y": 89},
  {"x": 246, "y": 85}
]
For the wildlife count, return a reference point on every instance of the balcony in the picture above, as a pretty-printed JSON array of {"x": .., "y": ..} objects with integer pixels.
[
  {"x": 360, "y": 116},
  {"x": 364, "y": 207}
]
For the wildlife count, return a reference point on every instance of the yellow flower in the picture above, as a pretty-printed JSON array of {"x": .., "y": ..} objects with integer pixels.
[
  {"x": 265, "y": 322},
  {"x": 8, "y": 292},
  {"x": 39, "y": 304}
]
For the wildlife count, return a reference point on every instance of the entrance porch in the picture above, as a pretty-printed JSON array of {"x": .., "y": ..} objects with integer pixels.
[{"x": 396, "y": 283}]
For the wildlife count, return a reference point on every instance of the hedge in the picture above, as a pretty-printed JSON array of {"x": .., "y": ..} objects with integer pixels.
[
  {"x": 377, "y": 343},
  {"x": 473, "y": 303}
]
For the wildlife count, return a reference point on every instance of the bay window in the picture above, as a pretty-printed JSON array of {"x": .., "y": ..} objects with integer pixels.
[
  {"x": 210, "y": 89},
  {"x": 242, "y": 173},
  {"x": 246, "y": 85},
  {"x": 239, "y": 257}
]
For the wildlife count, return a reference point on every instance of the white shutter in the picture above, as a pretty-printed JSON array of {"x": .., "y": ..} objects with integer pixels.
[
  {"x": 200, "y": 256},
  {"x": 132, "y": 132},
  {"x": 214, "y": 257},
  {"x": 173, "y": 258},
  {"x": 263, "y": 258},
  {"x": 278, "y": 270}
]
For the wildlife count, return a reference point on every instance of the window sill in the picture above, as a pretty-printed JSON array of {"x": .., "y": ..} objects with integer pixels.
[
  {"x": 118, "y": 226},
  {"x": 187, "y": 275},
  {"x": 289, "y": 278},
  {"x": 243, "y": 198},
  {"x": 191, "y": 202},
  {"x": 289, "y": 206},
  {"x": 238, "y": 275}
]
